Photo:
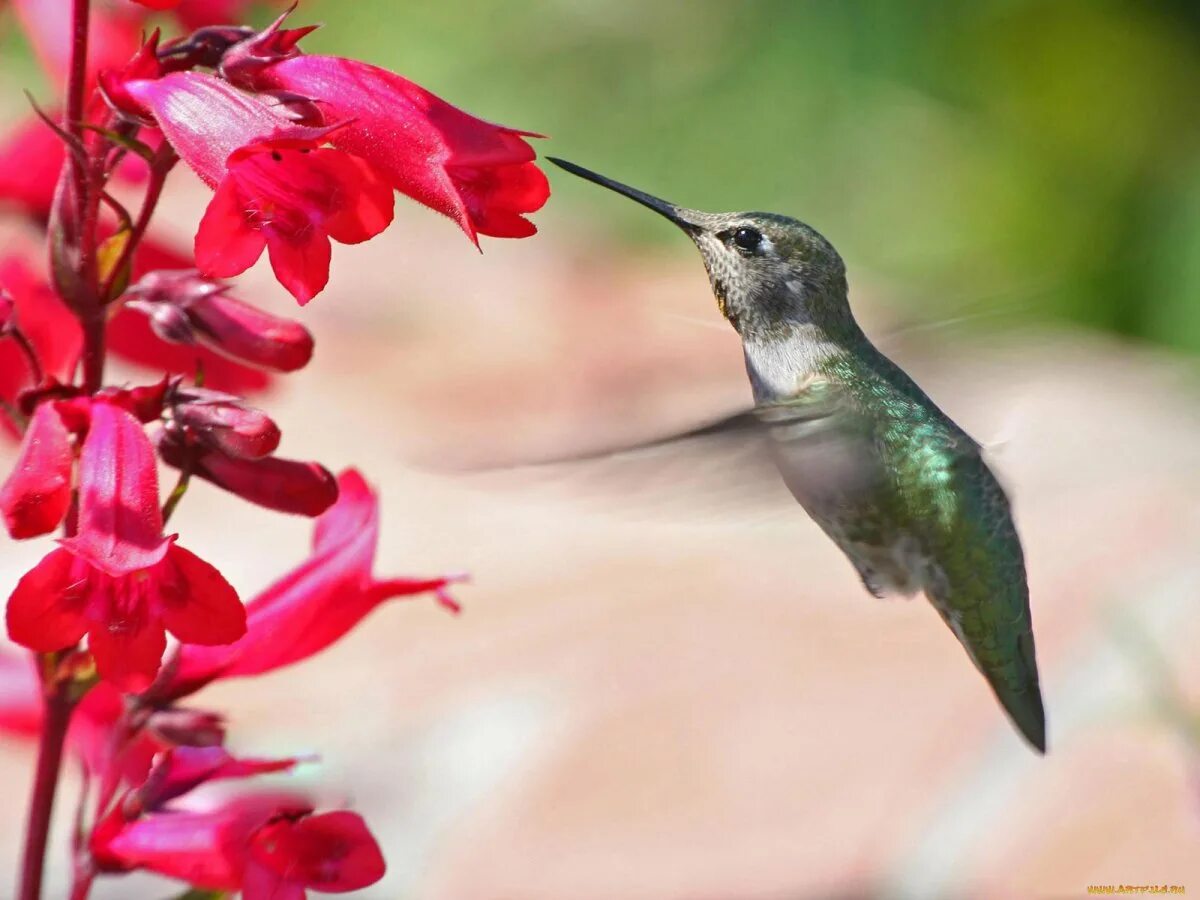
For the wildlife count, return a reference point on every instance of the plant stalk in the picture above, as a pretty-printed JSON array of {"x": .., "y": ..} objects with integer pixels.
[{"x": 56, "y": 716}]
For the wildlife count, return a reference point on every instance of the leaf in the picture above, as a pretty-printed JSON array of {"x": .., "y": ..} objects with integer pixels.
[{"x": 108, "y": 255}]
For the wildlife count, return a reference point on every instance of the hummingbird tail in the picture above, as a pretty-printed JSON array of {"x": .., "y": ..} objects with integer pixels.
[{"x": 1024, "y": 707}]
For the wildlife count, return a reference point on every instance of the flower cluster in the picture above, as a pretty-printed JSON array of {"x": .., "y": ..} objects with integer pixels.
[{"x": 124, "y": 623}]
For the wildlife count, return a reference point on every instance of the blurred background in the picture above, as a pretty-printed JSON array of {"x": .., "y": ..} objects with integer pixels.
[{"x": 668, "y": 684}]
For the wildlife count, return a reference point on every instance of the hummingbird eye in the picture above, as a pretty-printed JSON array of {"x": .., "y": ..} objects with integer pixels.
[{"x": 746, "y": 238}]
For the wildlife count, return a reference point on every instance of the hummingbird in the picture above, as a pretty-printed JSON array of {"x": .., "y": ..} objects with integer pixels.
[{"x": 898, "y": 486}]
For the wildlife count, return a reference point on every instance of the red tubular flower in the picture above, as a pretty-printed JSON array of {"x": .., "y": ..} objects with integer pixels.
[
  {"x": 114, "y": 36},
  {"x": 119, "y": 580},
  {"x": 30, "y": 159},
  {"x": 181, "y": 769},
  {"x": 44, "y": 319},
  {"x": 316, "y": 603},
  {"x": 291, "y": 198},
  {"x": 20, "y": 696},
  {"x": 227, "y": 425},
  {"x": 479, "y": 174},
  {"x": 184, "y": 306},
  {"x": 270, "y": 847},
  {"x": 35, "y": 496},
  {"x": 331, "y": 852},
  {"x": 90, "y": 736},
  {"x": 284, "y": 485},
  {"x": 276, "y": 187}
]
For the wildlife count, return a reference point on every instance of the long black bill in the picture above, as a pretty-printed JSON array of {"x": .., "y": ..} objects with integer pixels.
[{"x": 676, "y": 214}]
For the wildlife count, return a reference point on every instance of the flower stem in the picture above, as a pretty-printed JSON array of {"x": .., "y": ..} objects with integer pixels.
[
  {"x": 93, "y": 349},
  {"x": 76, "y": 84},
  {"x": 160, "y": 166},
  {"x": 57, "y": 714}
]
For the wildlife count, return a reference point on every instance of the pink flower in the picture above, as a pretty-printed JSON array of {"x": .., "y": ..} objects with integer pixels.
[
  {"x": 479, "y": 174},
  {"x": 119, "y": 580},
  {"x": 270, "y": 847},
  {"x": 276, "y": 187},
  {"x": 35, "y": 496},
  {"x": 316, "y": 603}
]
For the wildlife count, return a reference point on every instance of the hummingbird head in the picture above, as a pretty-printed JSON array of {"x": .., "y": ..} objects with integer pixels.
[{"x": 770, "y": 273}]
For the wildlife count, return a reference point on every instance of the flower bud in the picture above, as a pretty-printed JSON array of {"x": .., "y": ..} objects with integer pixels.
[
  {"x": 250, "y": 335},
  {"x": 229, "y": 426},
  {"x": 187, "y": 727},
  {"x": 170, "y": 323},
  {"x": 270, "y": 45},
  {"x": 184, "y": 307},
  {"x": 113, "y": 82},
  {"x": 203, "y": 47},
  {"x": 284, "y": 485}
]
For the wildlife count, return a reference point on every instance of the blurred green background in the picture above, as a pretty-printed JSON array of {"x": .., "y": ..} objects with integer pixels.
[
  {"x": 1039, "y": 158},
  {"x": 1007, "y": 160}
]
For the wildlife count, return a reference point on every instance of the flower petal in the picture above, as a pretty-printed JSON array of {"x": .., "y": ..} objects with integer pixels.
[
  {"x": 120, "y": 523},
  {"x": 20, "y": 695},
  {"x": 312, "y": 606},
  {"x": 199, "y": 605},
  {"x": 44, "y": 613},
  {"x": 43, "y": 318},
  {"x": 332, "y": 852},
  {"x": 129, "y": 656},
  {"x": 421, "y": 143},
  {"x": 207, "y": 119},
  {"x": 35, "y": 496},
  {"x": 370, "y": 202},
  {"x": 300, "y": 266},
  {"x": 261, "y": 882},
  {"x": 30, "y": 159},
  {"x": 225, "y": 243},
  {"x": 207, "y": 848}
]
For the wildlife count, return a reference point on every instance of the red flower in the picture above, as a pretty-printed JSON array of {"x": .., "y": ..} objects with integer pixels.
[
  {"x": 271, "y": 847},
  {"x": 276, "y": 187},
  {"x": 20, "y": 704},
  {"x": 332, "y": 852},
  {"x": 91, "y": 731},
  {"x": 114, "y": 36},
  {"x": 185, "y": 307},
  {"x": 479, "y": 174},
  {"x": 30, "y": 160},
  {"x": 35, "y": 496},
  {"x": 316, "y": 603},
  {"x": 118, "y": 579},
  {"x": 291, "y": 198},
  {"x": 284, "y": 485},
  {"x": 45, "y": 320}
]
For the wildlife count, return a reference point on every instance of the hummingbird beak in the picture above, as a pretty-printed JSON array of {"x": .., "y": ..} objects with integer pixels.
[{"x": 677, "y": 214}]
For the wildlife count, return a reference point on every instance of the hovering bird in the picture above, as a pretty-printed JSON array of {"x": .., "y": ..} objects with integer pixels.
[{"x": 891, "y": 479}]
